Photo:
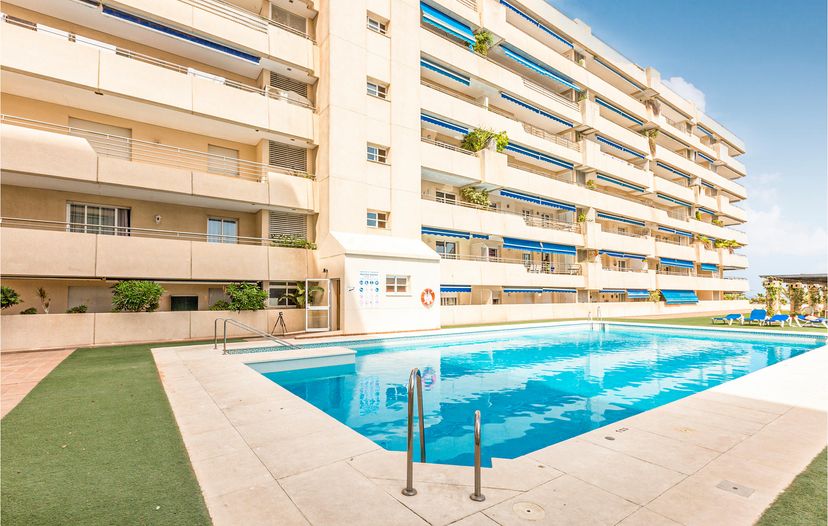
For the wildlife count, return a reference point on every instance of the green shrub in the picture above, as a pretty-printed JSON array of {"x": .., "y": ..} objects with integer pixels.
[
  {"x": 479, "y": 138},
  {"x": 697, "y": 215},
  {"x": 291, "y": 241},
  {"x": 246, "y": 296},
  {"x": 9, "y": 297},
  {"x": 474, "y": 196},
  {"x": 136, "y": 296},
  {"x": 590, "y": 184},
  {"x": 78, "y": 309},
  {"x": 482, "y": 42},
  {"x": 30, "y": 310},
  {"x": 655, "y": 295},
  {"x": 220, "y": 305},
  {"x": 582, "y": 217}
]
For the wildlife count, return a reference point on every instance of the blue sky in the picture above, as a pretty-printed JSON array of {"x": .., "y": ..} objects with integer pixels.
[{"x": 760, "y": 67}]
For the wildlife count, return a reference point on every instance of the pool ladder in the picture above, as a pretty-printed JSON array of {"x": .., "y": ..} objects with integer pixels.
[
  {"x": 415, "y": 381},
  {"x": 245, "y": 327},
  {"x": 598, "y": 321}
]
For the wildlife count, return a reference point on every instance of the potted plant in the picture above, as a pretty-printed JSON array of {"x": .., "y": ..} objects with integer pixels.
[
  {"x": 590, "y": 184},
  {"x": 482, "y": 42},
  {"x": 479, "y": 138},
  {"x": 474, "y": 196},
  {"x": 45, "y": 300},
  {"x": 9, "y": 297}
]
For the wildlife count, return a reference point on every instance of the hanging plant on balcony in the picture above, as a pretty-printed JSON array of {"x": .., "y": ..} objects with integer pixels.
[
  {"x": 697, "y": 215},
  {"x": 590, "y": 184},
  {"x": 718, "y": 222},
  {"x": 482, "y": 42},
  {"x": 651, "y": 138},
  {"x": 582, "y": 217},
  {"x": 654, "y": 106},
  {"x": 704, "y": 240},
  {"x": 480, "y": 138},
  {"x": 655, "y": 296},
  {"x": 474, "y": 196}
]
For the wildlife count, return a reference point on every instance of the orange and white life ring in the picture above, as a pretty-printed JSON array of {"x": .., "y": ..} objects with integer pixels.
[{"x": 427, "y": 297}]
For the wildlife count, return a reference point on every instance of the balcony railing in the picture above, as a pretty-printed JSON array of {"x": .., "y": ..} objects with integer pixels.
[
  {"x": 242, "y": 16},
  {"x": 447, "y": 146},
  {"x": 112, "y": 230},
  {"x": 566, "y": 177},
  {"x": 134, "y": 150},
  {"x": 620, "y": 160},
  {"x": 551, "y": 137},
  {"x": 534, "y": 221},
  {"x": 570, "y": 269},
  {"x": 267, "y": 91}
]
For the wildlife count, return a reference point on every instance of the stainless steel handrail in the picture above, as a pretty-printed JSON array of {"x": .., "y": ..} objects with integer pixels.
[
  {"x": 247, "y": 328},
  {"x": 409, "y": 490},
  {"x": 477, "y": 496}
]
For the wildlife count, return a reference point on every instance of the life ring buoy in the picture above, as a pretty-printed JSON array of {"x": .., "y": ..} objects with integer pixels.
[{"x": 427, "y": 297}]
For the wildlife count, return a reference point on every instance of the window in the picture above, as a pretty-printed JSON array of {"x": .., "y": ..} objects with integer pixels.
[
  {"x": 621, "y": 265},
  {"x": 396, "y": 284},
  {"x": 527, "y": 260},
  {"x": 377, "y": 25},
  {"x": 377, "y": 154},
  {"x": 377, "y": 219},
  {"x": 98, "y": 219},
  {"x": 491, "y": 253},
  {"x": 179, "y": 303},
  {"x": 224, "y": 161},
  {"x": 376, "y": 89},
  {"x": 447, "y": 249},
  {"x": 447, "y": 301},
  {"x": 445, "y": 197},
  {"x": 222, "y": 230},
  {"x": 282, "y": 294}
]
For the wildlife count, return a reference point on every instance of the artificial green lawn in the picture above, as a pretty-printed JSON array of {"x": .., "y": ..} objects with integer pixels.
[
  {"x": 96, "y": 443},
  {"x": 704, "y": 321},
  {"x": 804, "y": 502}
]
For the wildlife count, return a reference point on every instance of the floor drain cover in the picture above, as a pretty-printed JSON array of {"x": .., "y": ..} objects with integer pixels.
[
  {"x": 738, "y": 489},
  {"x": 529, "y": 511}
]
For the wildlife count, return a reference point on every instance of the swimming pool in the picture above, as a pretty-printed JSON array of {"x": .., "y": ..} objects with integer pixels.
[{"x": 534, "y": 387}]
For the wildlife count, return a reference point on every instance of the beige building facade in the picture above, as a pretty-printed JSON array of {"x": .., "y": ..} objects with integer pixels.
[{"x": 329, "y": 146}]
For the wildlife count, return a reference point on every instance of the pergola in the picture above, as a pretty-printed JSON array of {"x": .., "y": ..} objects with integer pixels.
[
  {"x": 809, "y": 282},
  {"x": 803, "y": 279}
]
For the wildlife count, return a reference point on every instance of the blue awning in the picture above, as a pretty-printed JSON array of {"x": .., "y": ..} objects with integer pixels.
[
  {"x": 540, "y": 68},
  {"x": 709, "y": 267},
  {"x": 674, "y": 200},
  {"x": 562, "y": 291},
  {"x": 455, "y": 288},
  {"x": 536, "y": 246},
  {"x": 617, "y": 110},
  {"x": 638, "y": 294},
  {"x": 443, "y": 123},
  {"x": 618, "y": 146},
  {"x": 609, "y": 217},
  {"x": 538, "y": 155},
  {"x": 706, "y": 158},
  {"x": 681, "y": 263},
  {"x": 428, "y": 231},
  {"x": 613, "y": 291},
  {"x": 706, "y": 211},
  {"x": 672, "y": 297},
  {"x": 446, "y": 23},
  {"x": 453, "y": 75},
  {"x": 522, "y": 290},
  {"x": 708, "y": 185},
  {"x": 554, "y": 248},
  {"x": 155, "y": 26},
  {"x": 480, "y": 236},
  {"x": 674, "y": 231},
  {"x": 704, "y": 130},
  {"x": 618, "y": 73},
  {"x": 535, "y": 109},
  {"x": 533, "y": 21},
  {"x": 673, "y": 170},
  {"x": 619, "y": 182},
  {"x": 536, "y": 200},
  {"x": 624, "y": 255}
]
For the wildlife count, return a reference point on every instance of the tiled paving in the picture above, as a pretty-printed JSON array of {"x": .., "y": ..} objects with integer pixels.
[
  {"x": 20, "y": 372},
  {"x": 263, "y": 456}
]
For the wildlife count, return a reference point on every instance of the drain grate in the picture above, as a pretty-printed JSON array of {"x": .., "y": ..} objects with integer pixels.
[{"x": 738, "y": 489}]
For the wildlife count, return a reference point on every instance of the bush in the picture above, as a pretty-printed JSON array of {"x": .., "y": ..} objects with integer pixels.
[
  {"x": 291, "y": 241},
  {"x": 220, "y": 305},
  {"x": 9, "y": 297},
  {"x": 78, "y": 309},
  {"x": 474, "y": 196},
  {"x": 246, "y": 296},
  {"x": 590, "y": 184},
  {"x": 482, "y": 42},
  {"x": 30, "y": 310},
  {"x": 136, "y": 296},
  {"x": 479, "y": 138}
]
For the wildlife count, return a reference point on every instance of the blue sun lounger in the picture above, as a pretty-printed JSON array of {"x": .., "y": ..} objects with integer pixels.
[
  {"x": 756, "y": 315},
  {"x": 781, "y": 319},
  {"x": 729, "y": 318}
]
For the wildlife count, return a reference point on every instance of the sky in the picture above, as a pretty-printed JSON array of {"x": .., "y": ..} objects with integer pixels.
[{"x": 759, "y": 68}]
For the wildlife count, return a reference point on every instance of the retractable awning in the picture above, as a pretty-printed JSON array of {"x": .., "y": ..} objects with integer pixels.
[
  {"x": 535, "y": 109},
  {"x": 619, "y": 182},
  {"x": 536, "y": 246},
  {"x": 533, "y": 21},
  {"x": 673, "y": 297},
  {"x": 673, "y": 200},
  {"x": 706, "y": 158},
  {"x": 681, "y": 263},
  {"x": 706, "y": 211},
  {"x": 428, "y": 231},
  {"x": 624, "y": 255},
  {"x": 446, "y": 23},
  {"x": 539, "y": 68},
  {"x": 444, "y": 123},
  {"x": 617, "y": 146},
  {"x": 674, "y": 231},
  {"x": 562, "y": 291},
  {"x": 613, "y": 291},
  {"x": 617, "y": 110},
  {"x": 638, "y": 294},
  {"x": 455, "y": 288},
  {"x": 522, "y": 290},
  {"x": 672, "y": 170},
  {"x": 709, "y": 267},
  {"x": 536, "y": 200},
  {"x": 446, "y": 72},
  {"x": 538, "y": 155},
  {"x": 608, "y": 217}
]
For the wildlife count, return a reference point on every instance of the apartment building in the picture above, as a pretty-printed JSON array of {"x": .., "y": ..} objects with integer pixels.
[{"x": 327, "y": 147}]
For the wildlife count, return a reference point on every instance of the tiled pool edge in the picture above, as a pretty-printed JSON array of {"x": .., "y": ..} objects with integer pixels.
[{"x": 229, "y": 416}]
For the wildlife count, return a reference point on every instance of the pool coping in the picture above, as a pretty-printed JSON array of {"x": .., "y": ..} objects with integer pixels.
[{"x": 260, "y": 452}]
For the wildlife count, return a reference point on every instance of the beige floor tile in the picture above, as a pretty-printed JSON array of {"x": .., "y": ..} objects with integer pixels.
[
  {"x": 561, "y": 502},
  {"x": 710, "y": 418},
  {"x": 618, "y": 473},
  {"x": 338, "y": 495},
  {"x": 478, "y": 519},
  {"x": 261, "y": 505},
  {"x": 645, "y": 517},
  {"x": 688, "y": 429},
  {"x": 741, "y": 401},
  {"x": 228, "y": 473},
  {"x": 728, "y": 410},
  {"x": 214, "y": 443}
]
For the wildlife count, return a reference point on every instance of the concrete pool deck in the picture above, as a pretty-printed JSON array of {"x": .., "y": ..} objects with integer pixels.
[{"x": 265, "y": 456}]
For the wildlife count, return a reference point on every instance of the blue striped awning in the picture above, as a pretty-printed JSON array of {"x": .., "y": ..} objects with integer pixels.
[
  {"x": 618, "y": 146},
  {"x": 706, "y": 158},
  {"x": 155, "y": 26},
  {"x": 709, "y": 267},
  {"x": 609, "y": 217},
  {"x": 536, "y": 200},
  {"x": 613, "y": 291},
  {"x": 671, "y": 169},
  {"x": 535, "y": 109},
  {"x": 480, "y": 236},
  {"x": 619, "y": 182},
  {"x": 538, "y": 155},
  {"x": 554, "y": 248},
  {"x": 708, "y": 185},
  {"x": 540, "y": 68},
  {"x": 536, "y": 246},
  {"x": 428, "y": 231},
  {"x": 624, "y": 255},
  {"x": 455, "y": 288},
  {"x": 446, "y": 23},
  {"x": 617, "y": 110},
  {"x": 534, "y": 22},
  {"x": 673, "y": 200},
  {"x": 444, "y": 123},
  {"x": 706, "y": 211},
  {"x": 453, "y": 75},
  {"x": 523, "y": 290},
  {"x": 673, "y": 297},
  {"x": 618, "y": 73},
  {"x": 562, "y": 291},
  {"x": 704, "y": 130},
  {"x": 638, "y": 294},
  {"x": 674, "y": 231},
  {"x": 681, "y": 263}
]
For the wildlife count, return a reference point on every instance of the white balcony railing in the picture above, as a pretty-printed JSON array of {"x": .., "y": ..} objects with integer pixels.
[
  {"x": 566, "y": 177},
  {"x": 570, "y": 269},
  {"x": 447, "y": 146},
  {"x": 530, "y": 221},
  {"x": 551, "y": 137}
]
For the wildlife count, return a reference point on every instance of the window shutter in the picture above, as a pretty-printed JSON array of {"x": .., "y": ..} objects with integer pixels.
[
  {"x": 290, "y": 157},
  {"x": 286, "y": 18},
  {"x": 282, "y": 223},
  {"x": 288, "y": 84}
]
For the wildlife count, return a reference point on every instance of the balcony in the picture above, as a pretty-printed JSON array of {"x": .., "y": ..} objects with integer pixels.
[
  {"x": 673, "y": 189},
  {"x": 86, "y": 156},
  {"x": 51, "y": 249},
  {"x": 732, "y": 259},
  {"x": 480, "y": 270},
  {"x": 699, "y": 283},
  {"x": 665, "y": 249},
  {"x": 618, "y": 242},
  {"x": 601, "y": 278},
  {"x": 691, "y": 168},
  {"x": 445, "y": 158},
  {"x": 732, "y": 211}
]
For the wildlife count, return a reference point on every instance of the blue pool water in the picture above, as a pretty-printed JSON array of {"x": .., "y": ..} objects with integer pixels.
[{"x": 533, "y": 387}]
